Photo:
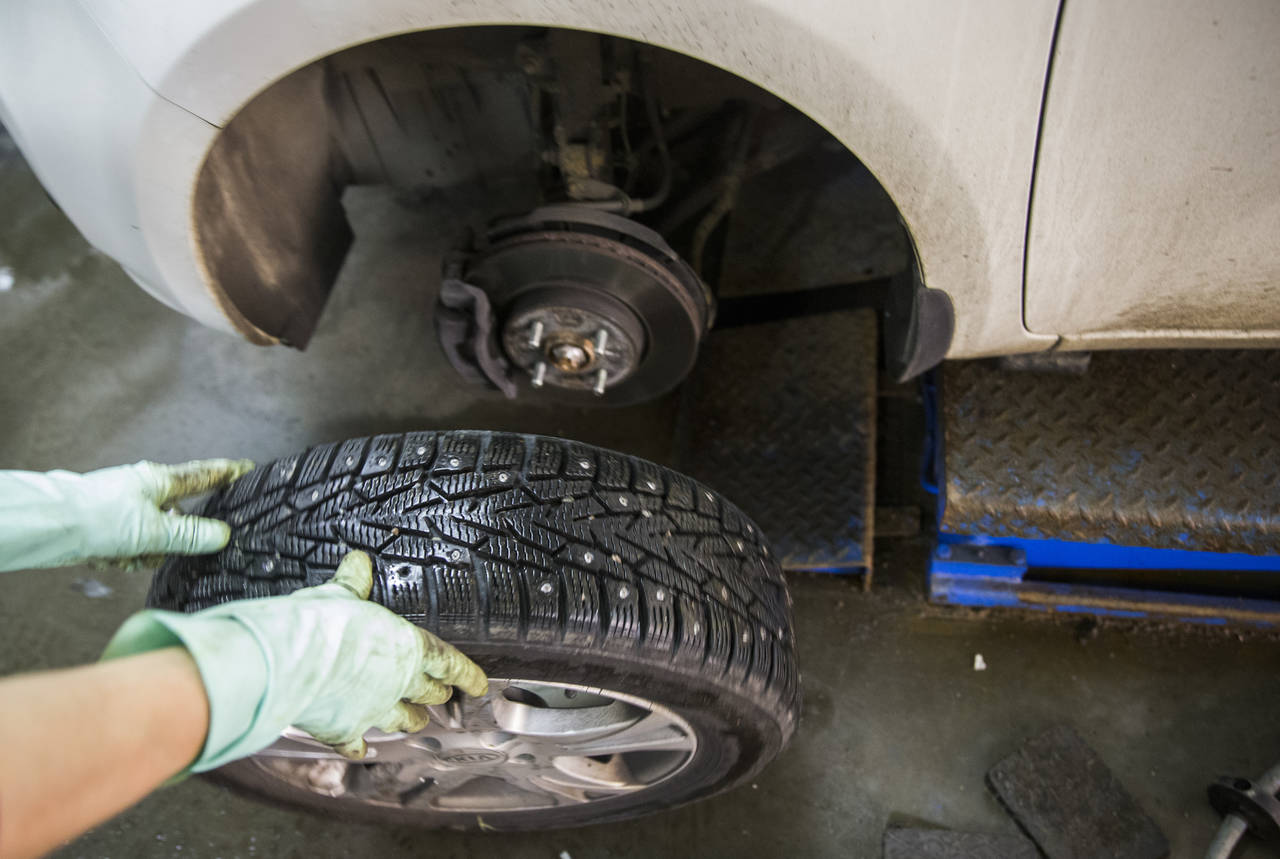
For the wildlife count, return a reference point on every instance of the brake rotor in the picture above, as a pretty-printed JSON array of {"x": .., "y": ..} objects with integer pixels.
[{"x": 591, "y": 307}]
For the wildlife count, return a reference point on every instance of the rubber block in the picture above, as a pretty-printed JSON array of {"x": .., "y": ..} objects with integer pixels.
[{"x": 1063, "y": 795}]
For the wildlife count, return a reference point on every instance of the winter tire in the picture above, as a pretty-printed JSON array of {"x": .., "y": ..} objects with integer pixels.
[{"x": 635, "y": 626}]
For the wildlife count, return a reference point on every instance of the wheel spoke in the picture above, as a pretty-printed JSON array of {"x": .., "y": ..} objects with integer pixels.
[
  {"x": 651, "y": 733},
  {"x": 564, "y": 725},
  {"x": 461, "y": 713},
  {"x": 432, "y": 785},
  {"x": 289, "y": 747},
  {"x": 448, "y": 715},
  {"x": 583, "y": 785},
  {"x": 560, "y": 791}
]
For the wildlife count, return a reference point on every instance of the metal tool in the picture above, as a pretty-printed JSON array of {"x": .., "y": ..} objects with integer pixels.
[{"x": 1246, "y": 807}]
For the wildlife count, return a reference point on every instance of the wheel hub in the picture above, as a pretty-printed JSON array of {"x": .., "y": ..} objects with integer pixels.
[
  {"x": 591, "y": 305},
  {"x": 525, "y": 745},
  {"x": 572, "y": 357},
  {"x": 574, "y": 342}
]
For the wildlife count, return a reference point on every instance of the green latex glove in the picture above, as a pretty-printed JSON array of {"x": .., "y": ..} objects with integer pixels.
[
  {"x": 322, "y": 659},
  {"x": 58, "y": 518}
]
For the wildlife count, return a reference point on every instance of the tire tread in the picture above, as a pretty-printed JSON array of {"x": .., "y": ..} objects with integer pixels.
[{"x": 500, "y": 537}]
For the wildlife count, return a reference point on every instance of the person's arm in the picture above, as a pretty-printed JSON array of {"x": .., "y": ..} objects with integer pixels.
[
  {"x": 82, "y": 744},
  {"x": 228, "y": 681}
]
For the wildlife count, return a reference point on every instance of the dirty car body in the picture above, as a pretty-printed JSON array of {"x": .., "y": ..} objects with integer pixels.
[{"x": 1074, "y": 176}]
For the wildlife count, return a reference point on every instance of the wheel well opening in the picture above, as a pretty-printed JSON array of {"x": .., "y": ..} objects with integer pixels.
[{"x": 757, "y": 197}]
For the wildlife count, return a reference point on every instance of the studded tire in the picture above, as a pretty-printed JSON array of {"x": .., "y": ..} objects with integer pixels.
[{"x": 542, "y": 559}]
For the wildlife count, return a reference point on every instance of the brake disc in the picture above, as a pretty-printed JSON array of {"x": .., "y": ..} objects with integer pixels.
[{"x": 590, "y": 307}]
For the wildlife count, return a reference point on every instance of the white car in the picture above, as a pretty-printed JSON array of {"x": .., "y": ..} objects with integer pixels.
[{"x": 1072, "y": 176}]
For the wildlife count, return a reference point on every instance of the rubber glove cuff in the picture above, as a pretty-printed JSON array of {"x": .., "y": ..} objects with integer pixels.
[
  {"x": 40, "y": 519},
  {"x": 232, "y": 667}
]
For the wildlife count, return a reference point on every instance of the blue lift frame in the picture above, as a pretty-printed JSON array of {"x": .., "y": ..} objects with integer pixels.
[{"x": 984, "y": 571}]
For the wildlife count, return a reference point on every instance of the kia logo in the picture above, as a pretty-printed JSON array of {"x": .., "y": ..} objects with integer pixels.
[{"x": 471, "y": 757}]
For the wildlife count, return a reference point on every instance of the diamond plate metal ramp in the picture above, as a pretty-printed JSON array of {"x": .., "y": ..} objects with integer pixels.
[
  {"x": 781, "y": 418},
  {"x": 1169, "y": 449}
]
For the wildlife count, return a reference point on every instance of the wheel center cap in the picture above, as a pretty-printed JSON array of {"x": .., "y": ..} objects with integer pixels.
[{"x": 471, "y": 757}]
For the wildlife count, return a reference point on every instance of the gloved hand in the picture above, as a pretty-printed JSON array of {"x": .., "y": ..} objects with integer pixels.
[
  {"x": 59, "y": 517},
  {"x": 322, "y": 659}
]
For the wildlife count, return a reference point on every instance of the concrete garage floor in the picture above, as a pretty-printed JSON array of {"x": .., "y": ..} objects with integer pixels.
[{"x": 897, "y": 727}]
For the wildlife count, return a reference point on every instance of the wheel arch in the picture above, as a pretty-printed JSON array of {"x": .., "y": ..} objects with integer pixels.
[{"x": 871, "y": 77}]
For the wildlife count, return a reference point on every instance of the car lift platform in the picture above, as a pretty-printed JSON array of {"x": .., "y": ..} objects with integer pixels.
[
  {"x": 1125, "y": 484},
  {"x": 781, "y": 417}
]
